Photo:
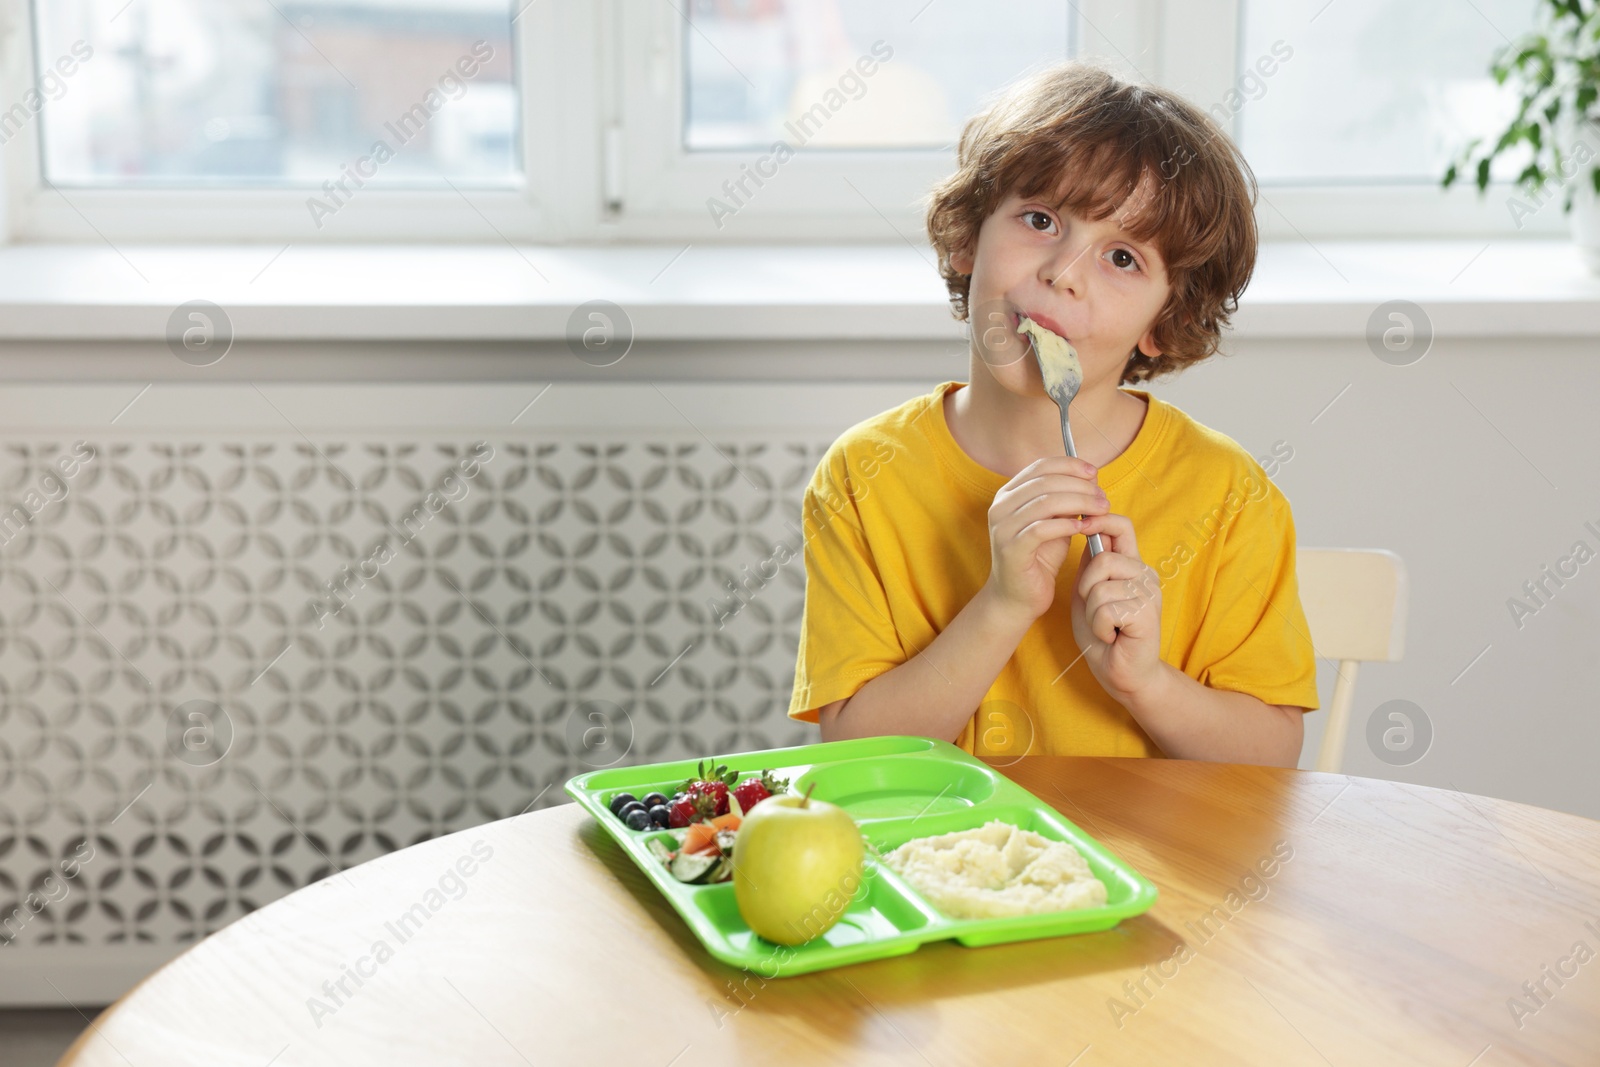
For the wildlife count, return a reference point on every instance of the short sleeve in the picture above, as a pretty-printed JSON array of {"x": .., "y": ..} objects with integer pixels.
[
  {"x": 847, "y": 637},
  {"x": 1254, "y": 638}
]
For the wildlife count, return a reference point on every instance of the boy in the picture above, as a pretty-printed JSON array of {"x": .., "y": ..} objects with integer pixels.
[{"x": 948, "y": 590}]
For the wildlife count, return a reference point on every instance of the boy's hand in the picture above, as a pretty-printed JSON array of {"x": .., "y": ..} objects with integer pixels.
[
  {"x": 1031, "y": 524},
  {"x": 1116, "y": 610}
]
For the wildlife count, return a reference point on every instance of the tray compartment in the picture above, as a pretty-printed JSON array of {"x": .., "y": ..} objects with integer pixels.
[
  {"x": 642, "y": 839},
  {"x": 1126, "y": 892},
  {"x": 884, "y": 918},
  {"x": 895, "y": 787},
  {"x": 791, "y": 763},
  {"x": 639, "y": 792}
]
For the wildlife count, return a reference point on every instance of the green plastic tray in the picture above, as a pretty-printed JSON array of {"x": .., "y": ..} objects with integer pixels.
[{"x": 896, "y": 788}]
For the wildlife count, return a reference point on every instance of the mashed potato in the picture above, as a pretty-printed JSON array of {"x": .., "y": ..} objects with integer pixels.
[{"x": 996, "y": 870}]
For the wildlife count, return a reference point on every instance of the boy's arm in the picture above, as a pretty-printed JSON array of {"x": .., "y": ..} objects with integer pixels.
[
  {"x": 937, "y": 691},
  {"x": 1117, "y": 621},
  {"x": 1191, "y": 720}
]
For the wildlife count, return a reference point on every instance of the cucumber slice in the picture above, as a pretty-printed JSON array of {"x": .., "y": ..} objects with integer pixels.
[{"x": 693, "y": 866}]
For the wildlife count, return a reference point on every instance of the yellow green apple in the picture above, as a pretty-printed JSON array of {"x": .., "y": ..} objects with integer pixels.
[{"x": 796, "y": 864}]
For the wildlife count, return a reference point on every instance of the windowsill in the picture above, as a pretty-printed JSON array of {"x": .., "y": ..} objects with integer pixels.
[{"x": 1469, "y": 288}]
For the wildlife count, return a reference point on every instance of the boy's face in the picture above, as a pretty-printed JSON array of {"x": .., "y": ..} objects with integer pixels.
[{"x": 1085, "y": 281}]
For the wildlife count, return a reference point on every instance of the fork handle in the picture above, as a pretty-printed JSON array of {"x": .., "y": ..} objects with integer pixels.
[{"x": 1095, "y": 545}]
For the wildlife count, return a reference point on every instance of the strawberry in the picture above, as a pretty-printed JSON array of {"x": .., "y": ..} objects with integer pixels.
[
  {"x": 753, "y": 791},
  {"x": 685, "y": 808},
  {"x": 712, "y": 782}
]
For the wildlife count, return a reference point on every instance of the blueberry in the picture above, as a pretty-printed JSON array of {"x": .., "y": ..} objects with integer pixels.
[
  {"x": 637, "y": 819},
  {"x": 652, "y": 799},
  {"x": 619, "y": 800},
  {"x": 661, "y": 816}
]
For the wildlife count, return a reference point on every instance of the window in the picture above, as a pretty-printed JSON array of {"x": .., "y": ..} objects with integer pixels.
[
  {"x": 699, "y": 120},
  {"x": 297, "y": 120},
  {"x": 286, "y": 92},
  {"x": 1349, "y": 113},
  {"x": 818, "y": 121},
  {"x": 755, "y": 72},
  {"x": 1410, "y": 81}
]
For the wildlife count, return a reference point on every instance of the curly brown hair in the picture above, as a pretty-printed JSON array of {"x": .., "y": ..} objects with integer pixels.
[{"x": 1076, "y": 118}]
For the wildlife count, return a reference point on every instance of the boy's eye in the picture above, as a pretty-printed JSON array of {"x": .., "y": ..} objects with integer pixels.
[{"x": 1032, "y": 217}]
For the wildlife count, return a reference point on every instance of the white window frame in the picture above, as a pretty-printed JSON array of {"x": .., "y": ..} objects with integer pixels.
[{"x": 614, "y": 71}]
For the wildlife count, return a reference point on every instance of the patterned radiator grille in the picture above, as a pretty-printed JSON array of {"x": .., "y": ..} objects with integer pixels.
[{"x": 229, "y": 668}]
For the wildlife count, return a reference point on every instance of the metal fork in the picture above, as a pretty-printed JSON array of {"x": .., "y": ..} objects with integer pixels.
[{"x": 1062, "y": 393}]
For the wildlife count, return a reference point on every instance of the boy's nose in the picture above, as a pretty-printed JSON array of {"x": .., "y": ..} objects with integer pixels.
[{"x": 1062, "y": 272}]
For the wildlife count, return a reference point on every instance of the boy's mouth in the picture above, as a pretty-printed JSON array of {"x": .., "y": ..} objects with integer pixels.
[{"x": 1043, "y": 320}]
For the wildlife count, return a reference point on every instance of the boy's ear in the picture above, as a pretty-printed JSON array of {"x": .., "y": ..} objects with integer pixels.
[{"x": 1147, "y": 344}]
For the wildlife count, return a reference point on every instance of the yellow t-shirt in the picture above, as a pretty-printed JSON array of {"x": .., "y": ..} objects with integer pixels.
[{"x": 896, "y": 543}]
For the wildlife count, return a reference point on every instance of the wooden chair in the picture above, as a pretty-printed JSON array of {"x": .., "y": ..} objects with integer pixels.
[{"x": 1355, "y": 604}]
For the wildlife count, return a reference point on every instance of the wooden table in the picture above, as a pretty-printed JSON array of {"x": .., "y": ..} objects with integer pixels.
[{"x": 1304, "y": 919}]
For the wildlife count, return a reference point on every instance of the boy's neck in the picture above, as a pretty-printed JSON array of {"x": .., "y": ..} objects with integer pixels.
[{"x": 1005, "y": 432}]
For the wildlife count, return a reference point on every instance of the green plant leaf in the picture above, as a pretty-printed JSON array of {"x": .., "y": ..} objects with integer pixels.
[{"x": 1556, "y": 73}]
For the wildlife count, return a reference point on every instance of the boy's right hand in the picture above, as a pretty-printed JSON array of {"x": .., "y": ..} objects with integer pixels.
[{"x": 1031, "y": 524}]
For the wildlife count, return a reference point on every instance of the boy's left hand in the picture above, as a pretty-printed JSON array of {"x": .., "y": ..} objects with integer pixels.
[{"x": 1116, "y": 610}]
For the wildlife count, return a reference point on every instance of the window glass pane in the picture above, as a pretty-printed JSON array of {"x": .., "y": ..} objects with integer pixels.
[
  {"x": 763, "y": 70},
  {"x": 276, "y": 91},
  {"x": 1372, "y": 90}
]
